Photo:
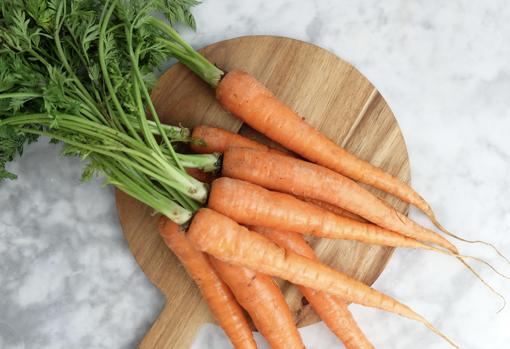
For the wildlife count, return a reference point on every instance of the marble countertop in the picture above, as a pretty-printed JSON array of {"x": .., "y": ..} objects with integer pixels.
[{"x": 68, "y": 280}]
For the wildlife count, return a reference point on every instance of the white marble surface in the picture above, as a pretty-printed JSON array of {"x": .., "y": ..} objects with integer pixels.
[{"x": 68, "y": 280}]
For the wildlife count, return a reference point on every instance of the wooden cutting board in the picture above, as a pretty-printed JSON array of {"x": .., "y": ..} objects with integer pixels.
[{"x": 333, "y": 96}]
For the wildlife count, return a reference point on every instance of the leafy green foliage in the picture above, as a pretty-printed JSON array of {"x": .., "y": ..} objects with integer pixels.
[
  {"x": 179, "y": 11},
  {"x": 11, "y": 144},
  {"x": 80, "y": 72}
]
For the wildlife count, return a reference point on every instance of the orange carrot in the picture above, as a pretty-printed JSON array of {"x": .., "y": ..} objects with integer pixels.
[
  {"x": 331, "y": 309},
  {"x": 263, "y": 300},
  {"x": 217, "y": 140},
  {"x": 252, "y": 102},
  {"x": 250, "y": 204},
  {"x": 226, "y": 240},
  {"x": 222, "y": 303},
  {"x": 298, "y": 177},
  {"x": 332, "y": 208}
]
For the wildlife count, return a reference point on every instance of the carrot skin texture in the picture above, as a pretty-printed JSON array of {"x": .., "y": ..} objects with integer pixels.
[
  {"x": 302, "y": 178},
  {"x": 331, "y": 309},
  {"x": 252, "y": 102},
  {"x": 334, "y": 209},
  {"x": 250, "y": 204},
  {"x": 220, "y": 299},
  {"x": 230, "y": 242},
  {"x": 263, "y": 300},
  {"x": 217, "y": 140}
]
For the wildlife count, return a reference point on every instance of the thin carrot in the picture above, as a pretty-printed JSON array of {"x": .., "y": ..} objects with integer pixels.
[
  {"x": 298, "y": 177},
  {"x": 226, "y": 240},
  {"x": 332, "y": 310},
  {"x": 332, "y": 208},
  {"x": 220, "y": 299},
  {"x": 210, "y": 140},
  {"x": 264, "y": 302},
  {"x": 250, "y": 204}
]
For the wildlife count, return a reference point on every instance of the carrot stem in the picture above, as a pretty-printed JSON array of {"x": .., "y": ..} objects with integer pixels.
[{"x": 187, "y": 55}]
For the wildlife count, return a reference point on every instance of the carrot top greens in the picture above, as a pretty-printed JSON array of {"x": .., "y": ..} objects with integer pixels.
[{"x": 80, "y": 72}]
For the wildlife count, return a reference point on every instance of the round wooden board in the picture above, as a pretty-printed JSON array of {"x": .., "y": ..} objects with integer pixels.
[{"x": 333, "y": 96}]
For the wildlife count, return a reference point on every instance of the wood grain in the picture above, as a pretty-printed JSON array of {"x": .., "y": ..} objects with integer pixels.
[{"x": 333, "y": 96}]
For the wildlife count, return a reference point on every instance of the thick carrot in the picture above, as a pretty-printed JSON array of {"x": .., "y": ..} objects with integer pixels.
[
  {"x": 252, "y": 102},
  {"x": 298, "y": 177},
  {"x": 250, "y": 204},
  {"x": 230, "y": 242},
  {"x": 264, "y": 302},
  {"x": 220, "y": 299},
  {"x": 331, "y": 309}
]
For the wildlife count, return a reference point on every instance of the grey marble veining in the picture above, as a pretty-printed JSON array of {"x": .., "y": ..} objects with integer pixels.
[{"x": 68, "y": 280}]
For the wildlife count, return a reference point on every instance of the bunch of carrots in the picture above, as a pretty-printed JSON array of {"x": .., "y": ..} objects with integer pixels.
[
  {"x": 235, "y": 212},
  {"x": 266, "y": 199}
]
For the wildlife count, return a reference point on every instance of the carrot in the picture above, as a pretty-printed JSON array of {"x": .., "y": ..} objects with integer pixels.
[
  {"x": 298, "y": 177},
  {"x": 263, "y": 300},
  {"x": 331, "y": 309},
  {"x": 332, "y": 208},
  {"x": 252, "y": 102},
  {"x": 250, "y": 204},
  {"x": 220, "y": 299},
  {"x": 226, "y": 240},
  {"x": 208, "y": 140}
]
